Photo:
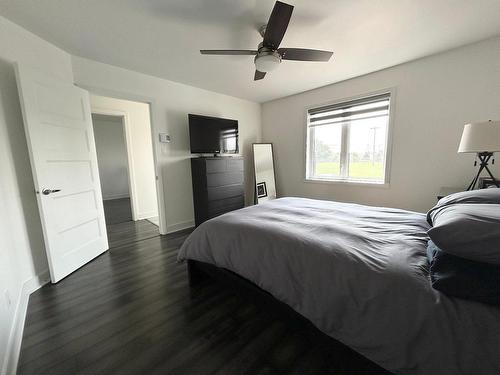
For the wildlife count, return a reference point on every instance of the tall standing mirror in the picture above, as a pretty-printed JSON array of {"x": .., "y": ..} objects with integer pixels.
[{"x": 263, "y": 161}]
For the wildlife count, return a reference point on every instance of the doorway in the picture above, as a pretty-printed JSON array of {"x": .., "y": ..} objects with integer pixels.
[
  {"x": 122, "y": 133},
  {"x": 112, "y": 160}
]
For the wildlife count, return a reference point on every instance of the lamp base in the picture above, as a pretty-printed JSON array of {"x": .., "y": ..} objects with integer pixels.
[{"x": 484, "y": 158}]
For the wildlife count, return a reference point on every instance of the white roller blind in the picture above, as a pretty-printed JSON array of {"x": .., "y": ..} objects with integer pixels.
[{"x": 359, "y": 109}]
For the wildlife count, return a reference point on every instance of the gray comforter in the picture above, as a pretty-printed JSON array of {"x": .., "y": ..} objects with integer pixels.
[{"x": 360, "y": 275}]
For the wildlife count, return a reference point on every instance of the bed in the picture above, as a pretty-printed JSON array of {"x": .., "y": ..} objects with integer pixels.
[{"x": 360, "y": 275}]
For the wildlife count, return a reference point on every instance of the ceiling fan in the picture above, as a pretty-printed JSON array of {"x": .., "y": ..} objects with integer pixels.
[{"x": 268, "y": 56}]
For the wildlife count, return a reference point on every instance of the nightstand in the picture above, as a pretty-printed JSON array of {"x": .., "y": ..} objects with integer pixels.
[{"x": 444, "y": 191}]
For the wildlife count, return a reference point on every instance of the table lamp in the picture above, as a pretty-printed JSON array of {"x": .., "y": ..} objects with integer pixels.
[{"x": 482, "y": 138}]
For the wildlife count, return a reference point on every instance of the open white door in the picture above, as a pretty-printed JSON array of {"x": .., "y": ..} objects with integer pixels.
[{"x": 61, "y": 145}]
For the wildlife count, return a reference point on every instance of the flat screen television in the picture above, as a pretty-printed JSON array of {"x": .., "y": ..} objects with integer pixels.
[{"x": 213, "y": 135}]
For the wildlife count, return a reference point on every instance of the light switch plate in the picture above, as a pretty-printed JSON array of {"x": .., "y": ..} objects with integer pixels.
[{"x": 164, "y": 138}]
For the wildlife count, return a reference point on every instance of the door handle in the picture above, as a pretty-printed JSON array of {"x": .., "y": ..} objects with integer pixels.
[{"x": 50, "y": 191}]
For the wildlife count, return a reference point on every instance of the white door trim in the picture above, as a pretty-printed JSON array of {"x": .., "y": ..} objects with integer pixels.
[
  {"x": 162, "y": 209},
  {"x": 125, "y": 119}
]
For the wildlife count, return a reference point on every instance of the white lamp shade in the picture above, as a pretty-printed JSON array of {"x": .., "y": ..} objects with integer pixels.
[
  {"x": 481, "y": 137},
  {"x": 267, "y": 63}
]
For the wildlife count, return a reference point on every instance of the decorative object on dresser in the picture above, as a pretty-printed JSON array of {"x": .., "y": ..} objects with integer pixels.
[
  {"x": 482, "y": 138},
  {"x": 265, "y": 181},
  {"x": 218, "y": 186}
]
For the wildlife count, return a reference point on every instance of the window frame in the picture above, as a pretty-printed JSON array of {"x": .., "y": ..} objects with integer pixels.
[{"x": 389, "y": 137}]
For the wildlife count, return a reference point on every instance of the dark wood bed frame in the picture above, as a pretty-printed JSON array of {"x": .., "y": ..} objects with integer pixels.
[{"x": 199, "y": 272}]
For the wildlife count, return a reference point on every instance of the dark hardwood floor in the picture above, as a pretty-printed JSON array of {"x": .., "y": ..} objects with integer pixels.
[
  {"x": 131, "y": 311},
  {"x": 117, "y": 210},
  {"x": 131, "y": 231}
]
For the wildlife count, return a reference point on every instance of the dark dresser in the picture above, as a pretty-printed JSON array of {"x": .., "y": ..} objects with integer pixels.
[{"x": 217, "y": 186}]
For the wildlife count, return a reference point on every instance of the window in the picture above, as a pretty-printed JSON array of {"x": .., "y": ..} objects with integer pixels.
[{"x": 348, "y": 141}]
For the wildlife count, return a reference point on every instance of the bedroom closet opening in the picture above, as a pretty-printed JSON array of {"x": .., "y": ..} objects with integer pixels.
[{"x": 124, "y": 146}]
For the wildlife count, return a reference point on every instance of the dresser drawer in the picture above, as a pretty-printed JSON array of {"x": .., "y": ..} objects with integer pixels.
[
  {"x": 223, "y": 179},
  {"x": 235, "y": 165},
  {"x": 220, "y": 204},
  {"x": 222, "y": 210},
  {"x": 216, "y": 165},
  {"x": 222, "y": 192},
  {"x": 224, "y": 164}
]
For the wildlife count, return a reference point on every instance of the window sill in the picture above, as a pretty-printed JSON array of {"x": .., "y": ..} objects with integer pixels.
[{"x": 370, "y": 184}]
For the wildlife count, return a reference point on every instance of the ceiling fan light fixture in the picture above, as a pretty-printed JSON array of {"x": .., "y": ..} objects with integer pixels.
[
  {"x": 267, "y": 61},
  {"x": 268, "y": 55}
]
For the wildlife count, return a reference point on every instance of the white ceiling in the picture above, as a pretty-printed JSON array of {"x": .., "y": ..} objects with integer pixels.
[{"x": 163, "y": 37}]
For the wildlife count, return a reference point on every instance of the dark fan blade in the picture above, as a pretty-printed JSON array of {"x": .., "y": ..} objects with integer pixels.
[
  {"x": 259, "y": 75},
  {"x": 277, "y": 24},
  {"x": 303, "y": 54},
  {"x": 227, "y": 52}
]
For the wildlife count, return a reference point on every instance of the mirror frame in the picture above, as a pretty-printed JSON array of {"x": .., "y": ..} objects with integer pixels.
[{"x": 256, "y": 200}]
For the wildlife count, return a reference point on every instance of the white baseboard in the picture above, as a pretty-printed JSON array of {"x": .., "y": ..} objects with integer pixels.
[
  {"x": 179, "y": 226},
  {"x": 146, "y": 215},
  {"x": 117, "y": 196},
  {"x": 16, "y": 332}
]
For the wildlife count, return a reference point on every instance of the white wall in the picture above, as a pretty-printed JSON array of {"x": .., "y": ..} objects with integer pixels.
[
  {"x": 22, "y": 254},
  {"x": 111, "y": 156},
  {"x": 171, "y": 102},
  {"x": 435, "y": 97},
  {"x": 137, "y": 122}
]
